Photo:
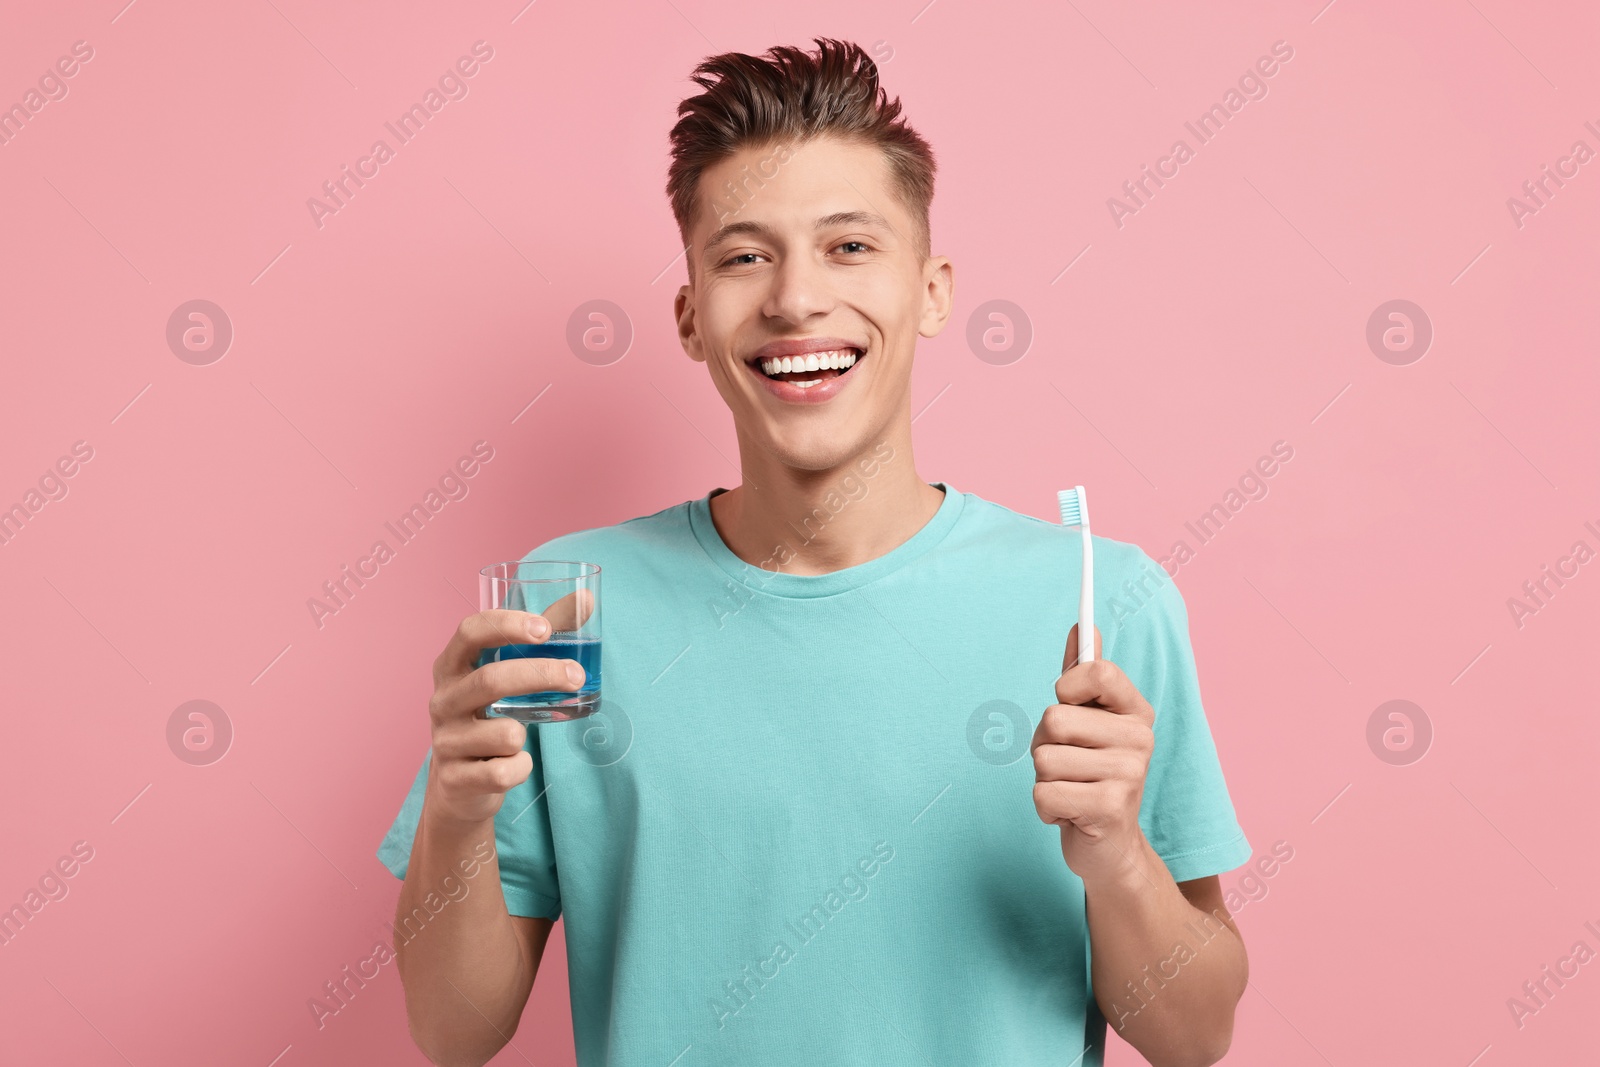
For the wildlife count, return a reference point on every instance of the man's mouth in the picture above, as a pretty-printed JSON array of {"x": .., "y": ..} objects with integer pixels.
[{"x": 812, "y": 368}]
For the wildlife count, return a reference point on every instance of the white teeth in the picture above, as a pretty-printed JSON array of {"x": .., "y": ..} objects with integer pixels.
[{"x": 840, "y": 360}]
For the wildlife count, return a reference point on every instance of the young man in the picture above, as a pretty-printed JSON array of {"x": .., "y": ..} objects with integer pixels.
[{"x": 808, "y": 825}]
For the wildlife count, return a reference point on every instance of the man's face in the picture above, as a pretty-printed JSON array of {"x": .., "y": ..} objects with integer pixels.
[{"x": 811, "y": 248}]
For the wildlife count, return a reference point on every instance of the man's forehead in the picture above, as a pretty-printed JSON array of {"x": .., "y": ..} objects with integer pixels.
[
  {"x": 770, "y": 203},
  {"x": 814, "y": 178}
]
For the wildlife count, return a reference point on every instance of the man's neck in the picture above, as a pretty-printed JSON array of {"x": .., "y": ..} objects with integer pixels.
[{"x": 816, "y": 522}]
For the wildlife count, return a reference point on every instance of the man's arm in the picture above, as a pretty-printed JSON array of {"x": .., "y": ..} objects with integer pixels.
[
  {"x": 1167, "y": 962},
  {"x": 469, "y": 970}
]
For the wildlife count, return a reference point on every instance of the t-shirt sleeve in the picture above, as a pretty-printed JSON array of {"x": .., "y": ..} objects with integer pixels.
[
  {"x": 522, "y": 839},
  {"x": 1186, "y": 814}
]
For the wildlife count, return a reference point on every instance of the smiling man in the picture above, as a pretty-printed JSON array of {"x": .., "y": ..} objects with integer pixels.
[{"x": 851, "y": 798}]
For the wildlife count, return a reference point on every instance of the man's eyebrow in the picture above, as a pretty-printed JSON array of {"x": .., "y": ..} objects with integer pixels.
[
  {"x": 761, "y": 229},
  {"x": 735, "y": 229},
  {"x": 856, "y": 218}
]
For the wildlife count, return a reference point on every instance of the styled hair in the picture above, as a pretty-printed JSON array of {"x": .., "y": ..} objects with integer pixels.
[{"x": 786, "y": 98}]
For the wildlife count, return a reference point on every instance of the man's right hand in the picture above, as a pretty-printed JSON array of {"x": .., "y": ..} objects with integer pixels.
[{"x": 477, "y": 759}]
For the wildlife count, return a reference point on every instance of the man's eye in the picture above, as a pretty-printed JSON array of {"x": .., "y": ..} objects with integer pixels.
[
  {"x": 733, "y": 261},
  {"x": 860, "y": 244}
]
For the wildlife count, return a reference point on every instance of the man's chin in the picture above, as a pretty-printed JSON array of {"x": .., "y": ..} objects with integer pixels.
[{"x": 817, "y": 453}]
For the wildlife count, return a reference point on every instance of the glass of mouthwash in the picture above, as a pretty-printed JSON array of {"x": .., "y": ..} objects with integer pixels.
[{"x": 567, "y": 594}]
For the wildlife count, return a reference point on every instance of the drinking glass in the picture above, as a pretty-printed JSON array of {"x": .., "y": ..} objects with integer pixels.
[{"x": 567, "y": 593}]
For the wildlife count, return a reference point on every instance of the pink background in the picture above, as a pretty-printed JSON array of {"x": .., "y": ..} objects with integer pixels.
[{"x": 1228, "y": 313}]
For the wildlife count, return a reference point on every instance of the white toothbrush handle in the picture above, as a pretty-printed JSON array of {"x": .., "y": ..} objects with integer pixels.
[{"x": 1086, "y": 602}]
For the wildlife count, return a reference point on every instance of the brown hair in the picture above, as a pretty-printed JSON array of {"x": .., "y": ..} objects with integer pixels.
[{"x": 787, "y": 98}]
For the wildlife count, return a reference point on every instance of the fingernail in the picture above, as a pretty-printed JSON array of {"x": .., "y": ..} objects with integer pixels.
[
  {"x": 574, "y": 673},
  {"x": 538, "y": 627}
]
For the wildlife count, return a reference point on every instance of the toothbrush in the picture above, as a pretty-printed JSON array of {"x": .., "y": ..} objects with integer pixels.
[{"x": 1075, "y": 512}]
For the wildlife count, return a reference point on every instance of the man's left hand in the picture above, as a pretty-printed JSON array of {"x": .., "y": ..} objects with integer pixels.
[{"x": 1090, "y": 755}]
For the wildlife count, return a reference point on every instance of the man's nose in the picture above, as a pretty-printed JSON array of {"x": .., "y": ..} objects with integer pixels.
[{"x": 801, "y": 289}]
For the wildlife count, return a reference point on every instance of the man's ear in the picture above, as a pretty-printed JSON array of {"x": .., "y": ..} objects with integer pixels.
[
  {"x": 688, "y": 336},
  {"x": 938, "y": 296}
]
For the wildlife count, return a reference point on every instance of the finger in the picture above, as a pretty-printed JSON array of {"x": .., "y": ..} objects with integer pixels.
[
  {"x": 1071, "y": 724},
  {"x": 1071, "y": 658},
  {"x": 572, "y": 610},
  {"x": 462, "y": 697},
  {"x": 486, "y": 629},
  {"x": 1067, "y": 763},
  {"x": 1060, "y": 802},
  {"x": 1100, "y": 684},
  {"x": 479, "y": 738},
  {"x": 1090, "y": 806},
  {"x": 486, "y": 776}
]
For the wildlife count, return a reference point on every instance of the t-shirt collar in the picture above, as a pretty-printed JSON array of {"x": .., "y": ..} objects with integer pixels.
[{"x": 799, "y": 586}]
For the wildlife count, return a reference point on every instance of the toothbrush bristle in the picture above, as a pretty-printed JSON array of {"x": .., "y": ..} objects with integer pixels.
[{"x": 1071, "y": 501}]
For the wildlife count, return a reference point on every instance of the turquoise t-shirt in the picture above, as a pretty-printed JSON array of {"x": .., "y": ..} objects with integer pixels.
[{"x": 801, "y": 828}]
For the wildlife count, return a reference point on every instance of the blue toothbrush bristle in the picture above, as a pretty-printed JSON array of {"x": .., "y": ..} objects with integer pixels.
[{"x": 1071, "y": 507}]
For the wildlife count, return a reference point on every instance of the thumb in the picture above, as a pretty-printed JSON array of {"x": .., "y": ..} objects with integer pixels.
[
  {"x": 1070, "y": 660},
  {"x": 571, "y": 611}
]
